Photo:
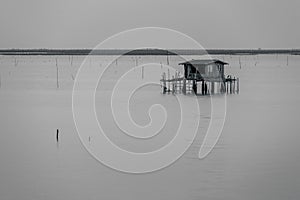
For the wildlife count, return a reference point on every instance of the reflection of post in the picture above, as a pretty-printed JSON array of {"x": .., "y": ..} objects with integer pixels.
[{"x": 0, "y": 81}]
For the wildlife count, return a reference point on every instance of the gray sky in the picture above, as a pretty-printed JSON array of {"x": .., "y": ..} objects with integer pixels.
[{"x": 213, "y": 23}]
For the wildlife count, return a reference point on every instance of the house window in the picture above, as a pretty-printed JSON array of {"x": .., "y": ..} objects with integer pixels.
[{"x": 209, "y": 68}]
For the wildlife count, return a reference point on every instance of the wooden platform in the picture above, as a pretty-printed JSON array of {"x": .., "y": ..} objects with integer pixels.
[{"x": 180, "y": 85}]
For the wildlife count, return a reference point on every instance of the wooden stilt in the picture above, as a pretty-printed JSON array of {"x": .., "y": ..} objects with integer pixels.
[
  {"x": 169, "y": 83},
  {"x": 164, "y": 84},
  {"x": 195, "y": 87},
  {"x": 203, "y": 87},
  {"x": 184, "y": 86},
  {"x": 233, "y": 90},
  {"x": 237, "y": 85},
  {"x": 57, "y": 83},
  {"x": 57, "y": 137},
  {"x": 173, "y": 85},
  {"x": 227, "y": 87}
]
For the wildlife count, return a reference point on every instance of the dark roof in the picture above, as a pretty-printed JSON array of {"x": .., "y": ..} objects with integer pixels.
[{"x": 203, "y": 62}]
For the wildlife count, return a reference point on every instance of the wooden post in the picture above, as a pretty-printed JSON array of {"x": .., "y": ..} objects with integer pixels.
[
  {"x": 57, "y": 137},
  {"x": 203, "y": 88},
  {"x": 212, "y": 87},
  {"x": 178, "y": 83},
  {"x": 169, "y": 83},
  {"x": 238, "y": 85},
  {"x": 222, "y": 87},
  {"x": 173, "y": 84},
  {"x": 136, "y": 61},
  {"x": 233, "y": 90},
  {"x": 57, "y": 83},
  {"x": 164, "y": 87},
  {"x": 142, "y": 72},
  {"x": 168, "y": 62},
  {"x": 227, "y": 87},
  {"x": 184, "y": 86},
  {"x": 195, "y": 86}
]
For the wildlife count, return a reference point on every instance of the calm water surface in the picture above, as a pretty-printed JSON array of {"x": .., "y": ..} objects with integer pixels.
[{"x": 257, "y": 156}]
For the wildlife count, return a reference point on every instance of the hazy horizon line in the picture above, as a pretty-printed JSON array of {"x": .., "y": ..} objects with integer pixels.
[{"x": 146, "y": 51}]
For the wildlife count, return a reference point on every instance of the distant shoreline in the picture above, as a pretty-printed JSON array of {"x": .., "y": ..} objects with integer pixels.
[{"x": 141, "y": 52}]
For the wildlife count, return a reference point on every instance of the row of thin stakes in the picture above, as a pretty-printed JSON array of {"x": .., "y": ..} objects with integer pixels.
[{"x": 180, "y": 85}]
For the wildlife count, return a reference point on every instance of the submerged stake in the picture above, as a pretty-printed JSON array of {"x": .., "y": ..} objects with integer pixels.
[{"x": 57, "y": 132}]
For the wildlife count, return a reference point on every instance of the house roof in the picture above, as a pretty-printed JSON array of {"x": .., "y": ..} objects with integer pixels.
[{"x": 203, "y": 62}]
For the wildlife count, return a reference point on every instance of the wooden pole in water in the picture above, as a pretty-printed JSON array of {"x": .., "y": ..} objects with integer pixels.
[
  {"x": 57, "y": 137},
  {"x": 173, "y": 84},
  {"x": 57, "y": 84},
  {"x": 164, "y": 83},
  {"x": 169, "y": 83},
  {"x": 233, "y": 90},
  {"x": 176, "y": 82},
  {"x": 202, "y": 88},
  {"x": 195, "y": 86},
  {"x": 227, "y": 87},
  {"x": 212, "y": 87},
  {"x": 184, "y": 86},
  {"x": 0, "y": 81},
  {"x": 168, "y": 63},
  {"x": 238, "y": 85},
  {"x": 136, "y": 61},
  {"x": 142, "y": 72}
]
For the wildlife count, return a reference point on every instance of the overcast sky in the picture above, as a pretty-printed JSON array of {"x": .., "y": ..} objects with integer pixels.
[{"x": 213, "y": 23}]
